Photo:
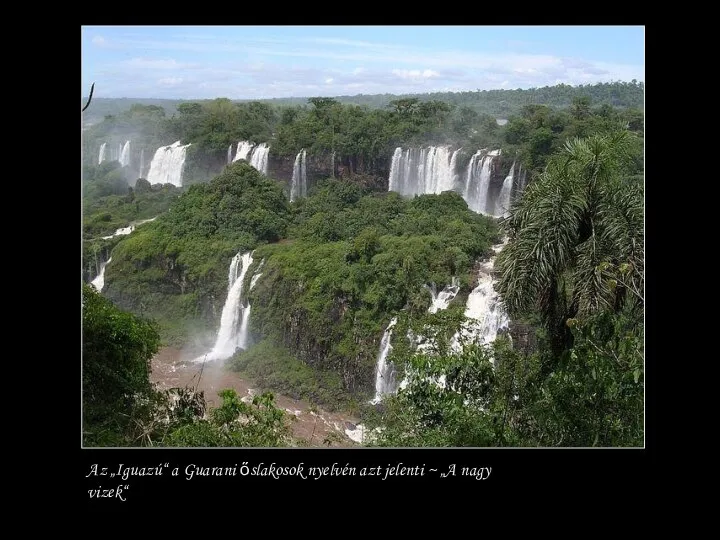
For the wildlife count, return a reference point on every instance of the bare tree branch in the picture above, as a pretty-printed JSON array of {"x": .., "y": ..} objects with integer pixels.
[{"x": 89, "y": 98}]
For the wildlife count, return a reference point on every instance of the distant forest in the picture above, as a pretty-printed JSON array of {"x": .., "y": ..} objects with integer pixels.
[{"x": 499, "y": 103}]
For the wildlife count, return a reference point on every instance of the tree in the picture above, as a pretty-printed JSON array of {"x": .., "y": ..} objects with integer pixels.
[
  {"x": 581, "y": 212},
  {"x": 117, "y": 348}
]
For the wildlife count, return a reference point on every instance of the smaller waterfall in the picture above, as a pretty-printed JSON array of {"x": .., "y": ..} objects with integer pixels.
[
  {"x": 125, "y": 155},
  {"x": 243, "y": 336},
  {"x": 255, "y": 155},
  {"x": 243, "y": 149},
  {"x": 99, "y": 281},
  {"x": 417, "y": 171},
  {"x": 385, "y": 372},
  {"x": 167, "y": 165},
  {"x": 484, "y": 311},
  {"x": 130, "y": 228},
  {"x": 232, "y": 333},
  {"x": 502, "y": 204},
  {"x": 259, "y": 157},
  {"x": 101, "y": 156},
  {"x": 442, "y": 301},
  {"x": 229, "y": 155},
  {"x": 477, "y": 181},
  {"x": 298, "y": 185}
]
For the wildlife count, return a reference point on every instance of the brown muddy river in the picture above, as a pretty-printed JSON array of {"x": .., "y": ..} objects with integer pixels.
[{"x": 170, "y": 368}]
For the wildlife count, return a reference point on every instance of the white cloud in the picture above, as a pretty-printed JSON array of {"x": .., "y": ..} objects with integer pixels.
[
  {"x": 275, "y": 66},
  {"x": 416, "y": 74}
]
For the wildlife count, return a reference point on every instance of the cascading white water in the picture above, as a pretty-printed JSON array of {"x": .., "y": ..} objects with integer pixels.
[
  {"x": 167, "y": 165},
  {"x": 101, "y": 156},
  {"x": 142, "y": 163},
  {"x": 502, "y": 204},
  {"x": 243, "y": 339},
  {"x": 385, "y": 371},
  {"x": 130, "y": 228},
  {"x": 231, "y": 334},
  {"x": 259, "y": 157},
  {"x": 417, "y": 171},
  {"x": 483, "y": 309},
  {"x": 442, "y": 301},
  {"x": 477, "y": 181},
  {"x": 125, "y": 155},
  {"x": 99, "y": 281},
  {"x": 298, "y": 185},
  {"x": 229, "y": 155},
  {"x": 243, "y": 149}
]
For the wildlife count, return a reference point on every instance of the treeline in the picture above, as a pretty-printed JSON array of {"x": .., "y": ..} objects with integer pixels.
[
  {"x": 354, "y": 138},
  {"x": 501, "y": 103}
]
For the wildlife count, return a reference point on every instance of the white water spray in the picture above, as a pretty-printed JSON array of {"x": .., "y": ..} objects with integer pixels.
[
  {"x": 101, "y": 156},
  {"x": 125, "y": 155},
  {"x": 385, "y": 371},
  {"x": 233, "y": 321},
  {"x": 484, "y": 309},
  {"x": 167, "y": 165},
  {"x": 99, "y": 281},
  {"x": 298, "y": 185}
]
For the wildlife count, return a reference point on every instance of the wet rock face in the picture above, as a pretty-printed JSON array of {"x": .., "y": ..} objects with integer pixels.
[{"x": 523, "y": 337}]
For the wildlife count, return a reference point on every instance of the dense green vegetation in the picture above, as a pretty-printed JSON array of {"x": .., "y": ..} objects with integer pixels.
[
  {"x": 575, "y": 262},
  {"x": 340, "y": 263},
  {"x": 175, "y": 268},
  {"x": 502, "y": 103},
  {"x": 122, "y": 408},
  {"x": 359, "y": 138}
]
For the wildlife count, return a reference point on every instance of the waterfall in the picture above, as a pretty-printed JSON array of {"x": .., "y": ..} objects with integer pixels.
[
  {"x": 298, "y": 185},
  {"x": 442, "y": 301},
  {"x": 243, "y": 149},
  {"x": 229, "y": 155},
  {"x": 166, "y": 166},
  {"x": 101, "y": 157},
  {"x": 142, "y": 163},
  {"x": 477, "y": 181},
  {"x": 484, "y": 309},
  {"x": 130, "y": 228},
  {"x": 125, "y": 155},
  {"x": 257, "y": 156},
  {"x": 385, "y": 372},
  {"x": 502, "y": 204},
  {"x": 417, "y": 171},
  {"x": 243, "y": 339},
  {"x": 232, "y": 333},
  {"x": 99, "y": 281}
]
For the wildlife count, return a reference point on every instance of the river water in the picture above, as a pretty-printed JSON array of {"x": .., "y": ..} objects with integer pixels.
[{"x": 171, "y": 368}]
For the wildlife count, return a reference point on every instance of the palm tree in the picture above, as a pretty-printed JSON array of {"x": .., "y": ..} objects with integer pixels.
[{"x": 575, "y": 238}]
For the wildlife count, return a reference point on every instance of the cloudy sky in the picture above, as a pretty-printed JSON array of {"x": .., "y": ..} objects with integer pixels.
[{"x": 256, "y": 62}]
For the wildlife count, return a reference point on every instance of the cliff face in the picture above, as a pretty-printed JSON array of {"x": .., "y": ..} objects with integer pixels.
[{"x": 370, "y": 173}]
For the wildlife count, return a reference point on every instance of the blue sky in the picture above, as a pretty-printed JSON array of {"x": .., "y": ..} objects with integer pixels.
[{"x": 257, "y": 62}]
